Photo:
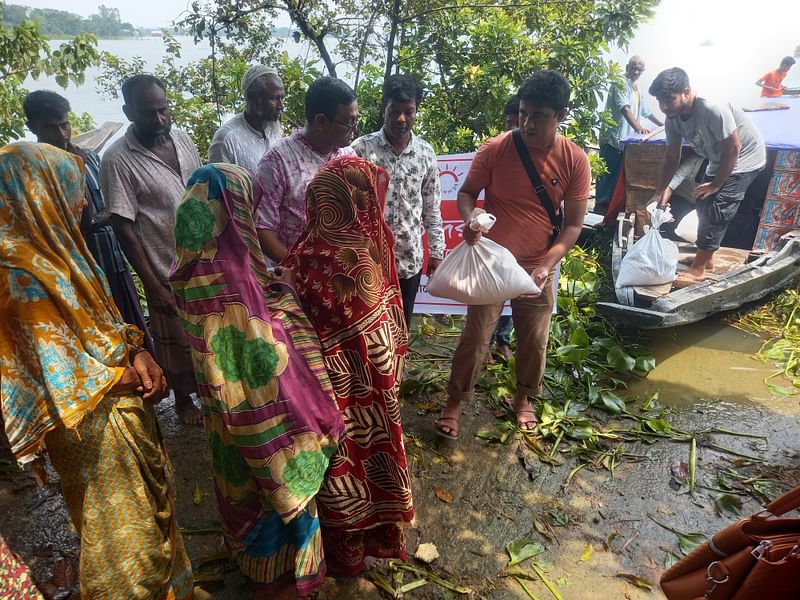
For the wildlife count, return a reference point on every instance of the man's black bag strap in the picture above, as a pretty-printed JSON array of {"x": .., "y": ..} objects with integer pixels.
[{"x": 557, "y": 219}]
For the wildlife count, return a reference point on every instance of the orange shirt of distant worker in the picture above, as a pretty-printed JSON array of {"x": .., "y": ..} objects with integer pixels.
[{"x": 773, "y": 79}]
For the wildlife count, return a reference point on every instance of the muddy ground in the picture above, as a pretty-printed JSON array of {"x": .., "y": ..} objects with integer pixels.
[{"x": 473, "y": 498}]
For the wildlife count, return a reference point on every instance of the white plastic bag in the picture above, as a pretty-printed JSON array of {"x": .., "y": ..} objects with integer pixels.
[
  {"x": 484, "y": 273},
  {"x": 687, "y": 227},
  {"x": 652, "y": 260}
]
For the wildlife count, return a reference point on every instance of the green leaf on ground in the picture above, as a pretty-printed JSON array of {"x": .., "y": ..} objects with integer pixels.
[
  {"x": 779, "y": 390},
  {"x": 620, "y": 360},
  {"x": 523, "y": 549},
  {"x": 613, "y": 403},
  {"x": 728, "y": 504},
  {"x": 689, "y": 541},
  {"x": 645, "y": 364}
]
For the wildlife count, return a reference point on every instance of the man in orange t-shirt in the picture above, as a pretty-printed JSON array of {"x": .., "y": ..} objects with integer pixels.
[
  {"x": 771, "y": 83},
  {"x": 522, "y": 226}
]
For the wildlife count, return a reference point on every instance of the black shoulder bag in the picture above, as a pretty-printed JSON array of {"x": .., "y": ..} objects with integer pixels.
[{"x": 556, "y": 218}]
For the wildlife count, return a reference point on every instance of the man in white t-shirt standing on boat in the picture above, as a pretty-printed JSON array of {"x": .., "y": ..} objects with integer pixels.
[{"x": 735, "y": 151}]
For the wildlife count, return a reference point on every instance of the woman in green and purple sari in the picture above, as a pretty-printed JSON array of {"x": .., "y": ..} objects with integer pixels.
[{"x": 268, "y": 407}]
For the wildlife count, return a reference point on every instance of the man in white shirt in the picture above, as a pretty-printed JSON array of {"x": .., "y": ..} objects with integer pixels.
[
  {"x": 244, "y": 138},
  {"x": 414, "y": 196}
]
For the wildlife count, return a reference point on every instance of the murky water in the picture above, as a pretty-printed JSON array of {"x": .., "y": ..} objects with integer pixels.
[{"x": 710, "y": 361}]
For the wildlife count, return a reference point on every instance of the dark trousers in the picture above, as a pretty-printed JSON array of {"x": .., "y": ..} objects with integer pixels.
[
  {"x": 408, "y": 289},
  {"x": 716, "y": 212}
]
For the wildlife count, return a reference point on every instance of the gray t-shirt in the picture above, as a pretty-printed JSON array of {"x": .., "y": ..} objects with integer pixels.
[
  {"x": 708, "y": 125},
  {"x": 236, "y": 142}
]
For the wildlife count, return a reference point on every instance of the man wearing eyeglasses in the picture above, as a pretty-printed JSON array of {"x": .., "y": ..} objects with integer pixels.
[
  {"x": 414, "y": 196},
  {"x": 627, "y": 109},
  {"x": 290, "y": 164}
]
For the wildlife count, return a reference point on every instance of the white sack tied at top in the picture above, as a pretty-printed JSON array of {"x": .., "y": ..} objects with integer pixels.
[
  {"x": 652, "y": 260},
  {"x": 482, "y": 273}
]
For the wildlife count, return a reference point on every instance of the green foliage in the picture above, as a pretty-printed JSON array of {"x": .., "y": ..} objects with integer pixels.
[
  {"x": 469, "y": 57},
  {"x": 24, "y": 51},
  {"x": 55, "y": 23},
  {"x": 779, "y": 321},
  {"x": 81, "y": 123},
  {"x": 587, "y": 356}
]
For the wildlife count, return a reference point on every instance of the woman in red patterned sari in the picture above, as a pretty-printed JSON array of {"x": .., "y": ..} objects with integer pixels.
[{"x": 345, "y": 273}]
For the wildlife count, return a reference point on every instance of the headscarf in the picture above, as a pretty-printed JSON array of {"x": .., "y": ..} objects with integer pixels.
[
  {"x": 345, "y": 271},
  {"x": 63, "y": 343},
  {"x": 268, "y": 385},
  {"x": 344, "y": 261}
]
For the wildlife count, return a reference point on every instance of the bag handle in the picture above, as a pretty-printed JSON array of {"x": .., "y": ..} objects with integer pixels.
[
  {"x": 783, "y": 504},
  {"x": 541, "y": 191}
]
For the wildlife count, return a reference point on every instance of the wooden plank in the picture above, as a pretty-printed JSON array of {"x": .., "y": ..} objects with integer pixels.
[{"x": 97, "y": 138}]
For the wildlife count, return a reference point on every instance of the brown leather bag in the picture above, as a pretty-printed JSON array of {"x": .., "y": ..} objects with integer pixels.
[{"x": 753, "y": 559}]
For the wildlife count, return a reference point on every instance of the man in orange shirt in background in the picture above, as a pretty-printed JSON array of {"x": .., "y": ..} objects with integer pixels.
[
  {"x": 771, "y": 83},
  {"x": 524, "y": 226}
]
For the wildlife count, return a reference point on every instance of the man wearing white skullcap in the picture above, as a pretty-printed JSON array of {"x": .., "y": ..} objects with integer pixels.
[{"x": 245, "y": 138}]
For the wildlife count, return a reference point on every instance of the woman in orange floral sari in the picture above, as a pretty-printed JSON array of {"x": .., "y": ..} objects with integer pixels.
[
  {"x": 345, "y": 272},
  {"x": 73, "y": 375}
]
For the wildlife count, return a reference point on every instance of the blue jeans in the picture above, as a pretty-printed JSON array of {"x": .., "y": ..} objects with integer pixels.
[{"x": 502, "y": 333}]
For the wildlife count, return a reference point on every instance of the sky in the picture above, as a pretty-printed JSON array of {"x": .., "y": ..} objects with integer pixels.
[{"x": 141, "y": 13}]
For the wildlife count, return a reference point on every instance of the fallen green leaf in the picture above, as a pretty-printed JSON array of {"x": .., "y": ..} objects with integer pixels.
[
  {"x": 522, "y": 549},
  {"x": 197, "y": 496},
  {"x": 412, "y": 585},
  {"x": 728, "y": 504},
  {"x": 540, "y": 573}
]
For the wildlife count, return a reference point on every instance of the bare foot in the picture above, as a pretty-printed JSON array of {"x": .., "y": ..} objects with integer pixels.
[
  {"x": 689, "y": 261},
  {"x": 448, "y": 422},
  {"x": 187, "y": 410},
  {"x": 526, "y": 418}
]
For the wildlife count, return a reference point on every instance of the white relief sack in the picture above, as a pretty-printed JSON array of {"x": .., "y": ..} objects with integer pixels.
[
  {"x": 652, "y": 260},
  {"x": 687, "y": 227},
  {"x": 483, "y": 273}
]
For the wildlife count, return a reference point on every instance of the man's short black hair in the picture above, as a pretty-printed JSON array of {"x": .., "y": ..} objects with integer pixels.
[
  {"x": 401, "y": 88},
  {"x": 325, "y": 95},
  {"x": 669, "y": 82},
  {"x": 44, "y": 103},
  {"x": 131, "y": 84},
  {"x": 548, "y": 88},
  {"x": 512, "y": 106},
  {"x": 788, "y": 60}
]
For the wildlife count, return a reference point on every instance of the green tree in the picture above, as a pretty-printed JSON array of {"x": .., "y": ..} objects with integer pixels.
[
  {"x": 14, "y": 14},
  {"x": 469, "y": 56},
  {"x": 24, "y": 51}
]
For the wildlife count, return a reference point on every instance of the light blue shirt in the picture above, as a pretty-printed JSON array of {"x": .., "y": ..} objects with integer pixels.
[{"x": 619, "y": 98}]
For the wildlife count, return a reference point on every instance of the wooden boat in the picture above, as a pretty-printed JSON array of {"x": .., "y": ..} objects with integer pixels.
[
  {"x": 760, "y": 253},
  {"x": 97, "y": 138}
]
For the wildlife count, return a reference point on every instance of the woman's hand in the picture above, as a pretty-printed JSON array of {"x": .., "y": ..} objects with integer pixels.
[
  {"x": 152, "y": 382},
  {"x": 144, "y": 377}
]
